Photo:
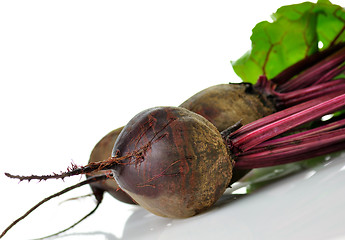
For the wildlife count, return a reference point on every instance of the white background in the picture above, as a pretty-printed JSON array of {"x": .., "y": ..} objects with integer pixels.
[{"x": 71, "y": 71}]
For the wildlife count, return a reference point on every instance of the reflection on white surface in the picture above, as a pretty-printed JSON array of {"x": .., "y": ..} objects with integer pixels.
[{"x": 310, "y": 173}]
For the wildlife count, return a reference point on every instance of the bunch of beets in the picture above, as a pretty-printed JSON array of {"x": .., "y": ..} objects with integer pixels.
[{"x": 177, "y": 161}]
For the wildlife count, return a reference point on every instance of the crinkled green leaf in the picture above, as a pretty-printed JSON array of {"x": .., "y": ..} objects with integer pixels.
[
  {"x": 295, "y": 33},
  {"x": 331, "y": 23}
]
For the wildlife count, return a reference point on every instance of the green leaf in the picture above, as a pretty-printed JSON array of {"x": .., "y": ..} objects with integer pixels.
[
  {"x": 331, "y": 23},
  {"x": 295, "y": 33}
]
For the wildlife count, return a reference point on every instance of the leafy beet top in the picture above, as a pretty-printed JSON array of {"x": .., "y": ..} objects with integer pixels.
[{"x": 297, "y": 31}]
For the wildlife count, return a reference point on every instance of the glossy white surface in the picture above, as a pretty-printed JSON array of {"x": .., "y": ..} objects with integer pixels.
[{"x": 71, "y": 71}]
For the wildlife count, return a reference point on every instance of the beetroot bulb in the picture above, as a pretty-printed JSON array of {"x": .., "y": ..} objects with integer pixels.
[
  {"x": 177, "y": 153},
  {"x": 226, "y": 104}
]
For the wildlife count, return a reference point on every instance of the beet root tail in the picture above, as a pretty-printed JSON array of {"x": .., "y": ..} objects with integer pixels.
[
  {"x": 88, "y": 181},
  {"x": 74, "y": 170}
]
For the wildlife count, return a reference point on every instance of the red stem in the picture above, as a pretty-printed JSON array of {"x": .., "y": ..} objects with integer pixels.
[
  {"x": 330, "y": 75},
  {"x": 284, "y": 100},
  {"x": 304, "y": 64},
  {"x": 280, "y": 115},
  {"x": 297, "y": 137},
  {"x": 292, "y": 151},
  {"x": 313, "y": 73},
  {"x": 250, "y": 139}
]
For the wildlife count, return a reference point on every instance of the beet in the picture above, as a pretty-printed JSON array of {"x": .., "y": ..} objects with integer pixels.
[
  {"x": 181, "y": 165},
  {"x": 225, "y": 104}
]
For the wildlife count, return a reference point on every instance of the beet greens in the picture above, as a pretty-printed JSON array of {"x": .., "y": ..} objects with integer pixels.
[{"x": 297, "y": 32}]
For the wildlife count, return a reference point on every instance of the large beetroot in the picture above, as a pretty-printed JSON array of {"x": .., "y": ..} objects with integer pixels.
[{"x": 175, "y": 156}]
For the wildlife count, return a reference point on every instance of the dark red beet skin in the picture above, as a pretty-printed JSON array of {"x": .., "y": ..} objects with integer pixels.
[{"x": 178, "y": 164}]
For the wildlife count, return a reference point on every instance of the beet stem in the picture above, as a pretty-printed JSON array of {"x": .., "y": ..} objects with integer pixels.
[
  {"x": 330, "y": 75},
  {"x": 88, "y": 181},
  {"x": 305, "y": 63},
  {"x": 276, "y": 127},
  {"x": 288, "y": 99},
  {"x": 309, "y": 93},
  {"x": 250, "y": 127},
  {"x": 312, "y": 74},
  {"x": 298, "y": 136},
  {"x": 293, "y": 150}
]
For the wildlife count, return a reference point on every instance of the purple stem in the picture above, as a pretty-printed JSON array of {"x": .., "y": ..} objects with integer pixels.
[
  {"x": 280, "y": 115},
  {"x": 313, "y": 73},
  {"x": 330, "y": 75},
  {"x": 284, "y": 100},
  {"x": 305, "y": 63},
  {"x": 249, "y": 140},
  {"x": 292, "y": 151},
  {"x": 294, "y": 138}
]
